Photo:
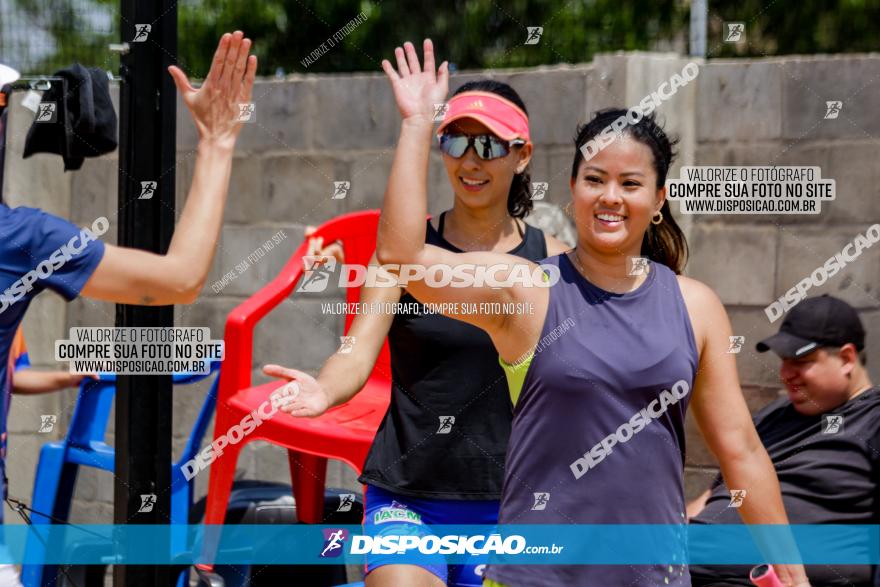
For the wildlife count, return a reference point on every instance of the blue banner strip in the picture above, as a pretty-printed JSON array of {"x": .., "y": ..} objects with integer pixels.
[{"x": 511, "y": 544}]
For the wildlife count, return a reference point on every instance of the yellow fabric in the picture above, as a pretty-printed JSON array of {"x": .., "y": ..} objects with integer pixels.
[{"x": 516, "y": 375}]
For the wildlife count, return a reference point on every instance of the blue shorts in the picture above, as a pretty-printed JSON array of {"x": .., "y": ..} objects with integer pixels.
[{"x": 407, "y": 515}]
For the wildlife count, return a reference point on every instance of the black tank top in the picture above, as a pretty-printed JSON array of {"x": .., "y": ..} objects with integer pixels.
[{"x": 445, "y": 433}]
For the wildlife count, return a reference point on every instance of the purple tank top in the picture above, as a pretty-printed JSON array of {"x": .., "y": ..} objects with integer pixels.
[{"x": 598, "y": 431}]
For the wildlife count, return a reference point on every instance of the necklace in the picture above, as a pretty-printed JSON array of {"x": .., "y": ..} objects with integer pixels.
[
  {"x": 861, "y": 391},
  {"x": 520, "y": 228}
]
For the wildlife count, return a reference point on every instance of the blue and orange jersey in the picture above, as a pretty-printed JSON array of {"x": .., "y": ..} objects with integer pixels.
[{"x": 18, "y": 355}]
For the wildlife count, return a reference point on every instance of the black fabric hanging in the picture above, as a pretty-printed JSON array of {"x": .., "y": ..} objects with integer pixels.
[
  {"x": 85, "y": 124},
  {"x": 6, "y": 91}
]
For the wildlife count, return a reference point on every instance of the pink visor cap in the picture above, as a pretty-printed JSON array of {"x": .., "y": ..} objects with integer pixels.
[{"x": 501, "y": 116}]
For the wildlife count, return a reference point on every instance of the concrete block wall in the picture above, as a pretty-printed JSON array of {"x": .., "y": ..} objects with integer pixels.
[
  {"x": 771, "y": 112},
  {"x": 313, "y": 130}
]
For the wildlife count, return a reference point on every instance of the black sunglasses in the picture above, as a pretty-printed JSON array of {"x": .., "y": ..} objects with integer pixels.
[{"x": 486, "y": 146}]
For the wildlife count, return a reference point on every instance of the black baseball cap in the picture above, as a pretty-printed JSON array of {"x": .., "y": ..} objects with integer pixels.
[{"x": 813, "y": 323}]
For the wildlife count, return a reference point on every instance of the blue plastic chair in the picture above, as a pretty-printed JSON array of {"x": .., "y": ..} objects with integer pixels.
[{"x": 84, "y": 446}]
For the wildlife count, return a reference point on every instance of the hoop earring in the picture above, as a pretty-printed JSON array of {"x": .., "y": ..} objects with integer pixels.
[
  {"x": 655, "y": 221},
  {"x": 567, "y": 210}
]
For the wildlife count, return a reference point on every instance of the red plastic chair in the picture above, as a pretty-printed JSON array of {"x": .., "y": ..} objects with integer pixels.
[{"x": 345, "y": 432}]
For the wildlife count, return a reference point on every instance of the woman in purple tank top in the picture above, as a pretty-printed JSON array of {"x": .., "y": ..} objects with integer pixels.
[{"x": 605, "y": 346}]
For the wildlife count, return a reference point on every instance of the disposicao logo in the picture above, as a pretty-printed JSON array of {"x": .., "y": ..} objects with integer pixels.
[{"x": 333, "y": 541}]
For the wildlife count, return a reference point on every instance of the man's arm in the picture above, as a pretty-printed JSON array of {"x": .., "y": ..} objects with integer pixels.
[
  {"x": 132, "y": 276},
  {"x": 697, "y": 505},
  {"x": 31, "y": 381}
]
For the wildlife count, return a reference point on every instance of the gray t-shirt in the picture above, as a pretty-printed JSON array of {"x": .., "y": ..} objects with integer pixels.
[{"x": 828, "y": 470}]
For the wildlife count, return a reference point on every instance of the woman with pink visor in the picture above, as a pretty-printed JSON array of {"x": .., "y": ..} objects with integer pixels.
[{"x": 439, "y": 454}]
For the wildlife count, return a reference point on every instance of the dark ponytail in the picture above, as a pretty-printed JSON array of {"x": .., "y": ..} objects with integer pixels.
[
  {"x": 519, "y": 198},
  {"x": 665, "y": 242}
]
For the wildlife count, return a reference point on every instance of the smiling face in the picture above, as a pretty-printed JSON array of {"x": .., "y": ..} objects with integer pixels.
[
  {"x": 818, "y": 382},
  {"x": 615, "y": 196},
  {"x": 482, "y": 183}
]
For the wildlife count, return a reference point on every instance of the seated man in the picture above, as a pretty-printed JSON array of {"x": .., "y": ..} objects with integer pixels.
[{"x": 823, "y": 438}]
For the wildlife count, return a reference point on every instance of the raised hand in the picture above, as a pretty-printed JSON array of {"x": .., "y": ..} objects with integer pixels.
[
  {"x": 215, "y": 105},
  {"x": 302, "y": 397},
  {"x": 417, "y": 90}
]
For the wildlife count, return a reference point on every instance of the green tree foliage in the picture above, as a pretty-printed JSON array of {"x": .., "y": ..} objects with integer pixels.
[
  {"x": 42, "y": 36},
  {"x": 472, "y": 34},
  {"x": 797, "y": 27}
]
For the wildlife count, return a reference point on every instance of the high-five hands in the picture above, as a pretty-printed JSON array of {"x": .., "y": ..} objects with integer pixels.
[
  {"x": 417, "y": 90},
  {"x": 215, "y": 106}
]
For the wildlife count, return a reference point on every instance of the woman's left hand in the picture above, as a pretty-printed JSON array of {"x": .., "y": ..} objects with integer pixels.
[{"x": 792, "y": 575}]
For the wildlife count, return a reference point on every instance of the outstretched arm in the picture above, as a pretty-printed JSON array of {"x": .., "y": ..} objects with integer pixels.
[
  {"x": 32, "y": 381},
  {"x": 344, "y": 374},
  {"x": 401, "y": 236},
  {"x": 133, "y": 276},
  {"x": 724, "y": 420}
]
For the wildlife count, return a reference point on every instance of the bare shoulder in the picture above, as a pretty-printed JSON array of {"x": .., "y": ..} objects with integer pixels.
[
  {"x": 554, "y": 245},
  {"x": 703, "y": 305},
  {"x": 696, "y": 292}
]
